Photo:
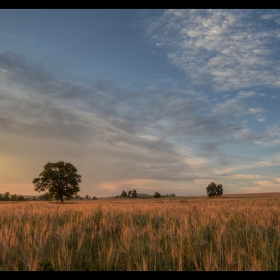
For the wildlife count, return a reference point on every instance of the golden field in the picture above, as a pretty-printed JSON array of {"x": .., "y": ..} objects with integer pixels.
[{"x": 234, "y": 232}]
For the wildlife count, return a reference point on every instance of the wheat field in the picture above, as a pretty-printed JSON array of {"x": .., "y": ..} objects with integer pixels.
[{"x": 232, "y": 233}]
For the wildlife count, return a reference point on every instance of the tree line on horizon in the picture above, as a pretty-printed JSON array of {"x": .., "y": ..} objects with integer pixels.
[
  {"x": 61, "y": 181},
  {"x": 14, "y": 197},
  {"x": 134, "y": 194},
  {"x": 44, "y": 197}
]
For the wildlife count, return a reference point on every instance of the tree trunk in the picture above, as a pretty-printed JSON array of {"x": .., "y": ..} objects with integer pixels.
[{"x": 61, "y": 198}]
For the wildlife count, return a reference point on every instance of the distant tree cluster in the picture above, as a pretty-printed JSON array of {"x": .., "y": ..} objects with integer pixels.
[
  {"x": 91, "y": 197},
  {"x": 13, "y": 197},
  {"x": 88, "y": 197},
  {"x": 134, "y": 194},
  {"x": 214, "y": 190},
  {"x": 158, "y": 195},
  {"x": 129, "y": 194}
]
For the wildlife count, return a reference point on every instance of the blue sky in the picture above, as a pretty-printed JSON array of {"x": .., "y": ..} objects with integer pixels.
[{"x": 156, "y": 100}]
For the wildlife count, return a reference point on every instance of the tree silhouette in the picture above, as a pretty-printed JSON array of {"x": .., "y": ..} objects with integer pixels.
[
  {"x": 123, "y": 194},
  {"x": 6, "y": 196},
  {"x": 60, "y": 179},
  {"x": 134, "y": 193},
  {"x": 157, "y": 195},
  {"x": 214, "y": 190},
  {"x": 20, "y": 198},
  {"x": 14, "y": 197}
]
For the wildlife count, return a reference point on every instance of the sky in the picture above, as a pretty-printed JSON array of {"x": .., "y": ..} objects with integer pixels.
[{"x": 152, "y": 100}]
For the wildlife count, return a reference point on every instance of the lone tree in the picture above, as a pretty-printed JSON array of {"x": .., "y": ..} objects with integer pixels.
[
  {"x": 157, "y": 195},
  {"x": 6, "y": 196},
  {"x": 214, "y": 189},
  {"x": 60, "y": 179},
  {"x": 123, "y": 194},
  {"x": 134, "y": 193}
]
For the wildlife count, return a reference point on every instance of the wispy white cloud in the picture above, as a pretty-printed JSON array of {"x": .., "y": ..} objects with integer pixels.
[
  {"x": 272, "y": 15},
  {"x": 235, "y": 107},
  {"x": 230, "y": 49},
  {"x": 244, "y": 94},
  {"x": 256, "y": 110},
  {"x": 260, "y": 118},
  {"x": 267, "y": 161},
  {"x": 246, "y": 134},
  {"x": 270, "y": 138}
]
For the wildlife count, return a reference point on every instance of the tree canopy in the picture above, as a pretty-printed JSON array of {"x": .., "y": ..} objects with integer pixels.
[
  {"x": 123, "y": 194},
  {"x": 129, "y": 193},
  {"x": 157, "y": 195},
  {"x": 13, "y": 197},
  {"x": 134, "y": 193},
  {"x": 60, "y": 179},
  {"x": 214, "y": 189}
]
